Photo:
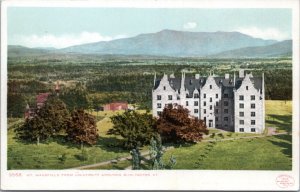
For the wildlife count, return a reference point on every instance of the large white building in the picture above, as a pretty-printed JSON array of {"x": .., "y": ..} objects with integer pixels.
[{"x": 230, "y": 103}]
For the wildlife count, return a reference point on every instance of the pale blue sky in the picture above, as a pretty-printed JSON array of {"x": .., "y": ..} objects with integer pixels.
[{"x": 61, "y": 27}]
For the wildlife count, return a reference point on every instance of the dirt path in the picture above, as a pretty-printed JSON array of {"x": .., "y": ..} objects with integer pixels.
[{"x": 145, "y": 153}]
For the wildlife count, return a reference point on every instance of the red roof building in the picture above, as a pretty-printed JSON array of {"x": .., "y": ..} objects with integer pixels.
[
  {"x": 116, "y": 106},
  {"x": 41, "y": 99}
]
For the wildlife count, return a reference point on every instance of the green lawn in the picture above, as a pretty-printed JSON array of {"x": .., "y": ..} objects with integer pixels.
[
  {"x": 46, "y": 156},
  {"x": 269, "y": 153},
  {"x": 279, "y": 115}
]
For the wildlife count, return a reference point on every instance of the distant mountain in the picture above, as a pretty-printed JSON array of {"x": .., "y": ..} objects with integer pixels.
[
  {"x": 169, "y": 43},
  {"x": 17, "y": 50},
  {"x": 172, "y": 43},
  {"x": 283, "y": 48}
]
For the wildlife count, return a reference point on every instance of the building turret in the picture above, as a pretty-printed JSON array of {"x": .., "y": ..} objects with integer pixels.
[{"x": 154, "y": 80}]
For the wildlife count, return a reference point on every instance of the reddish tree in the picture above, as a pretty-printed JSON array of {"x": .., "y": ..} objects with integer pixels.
[
  {"x": 82, "y": 128},
  {"x": 175, "y": 125}
]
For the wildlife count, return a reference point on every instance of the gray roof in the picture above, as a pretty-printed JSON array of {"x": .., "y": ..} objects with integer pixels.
[{"x": 191, "y": 83}]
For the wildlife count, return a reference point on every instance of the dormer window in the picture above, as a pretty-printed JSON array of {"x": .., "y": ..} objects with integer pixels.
[
  {"x": 246, "y": 87},
  {"x": 164, "y": 87},
  {"x": 210, "y": 86},
  {"x": 196, "y": 95}
]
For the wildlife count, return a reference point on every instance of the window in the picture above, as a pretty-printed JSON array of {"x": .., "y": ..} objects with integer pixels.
[
  {"x": 204, "y": 103},
  {"x": 204, "y": 111},
  {"x": 196, "y": 95},
  {"x": 158, "y": 105},
  {"x": 164, "y": 87},
  {"x": 210, "y": 86},
  {"x": 204, "y": 95},
  {"x": 210, "y": 107},
  {"x": 217, "y": 103},
  {"x": 225, "y": 118},
  {"x": 241, "y": 129},
  {"x": 217, "y": 119},
  {"x": 225, "y": 103},
  {"x": 252, "y": 106},
  {"x": 252, "y": 97},
  {"x": 225, "y": 110},
  {"x": 159, "y": 113},
  {"x": 241, "y": 97},
  {"x": 246, "y": 87},
  {"x": 241, "y": 105},
  {"x": 252, "y": 122},
  {"x": 241, "y": 114},
  {"x": 217, "y": 96},
  {"x": 195, "y": 103},
  {"x": 158, "y": 97},
  {"x": 178, "y": 98},
  {"x": 225, "y": 95},
  {"x": 242, "y": 122},
  {"x": 252, "y": 129},
  {"x": 187, "y": 103},
  {"x": 187, "y": 95},
  {"x": 195, "y": 110},
  {"x": 170, "y": 97},
  {"x": 252, "y": 114},
  {"x": 217, "y": 111},
  {"x": 210, "y": 99},
  {"x": 205, "y": 119}
]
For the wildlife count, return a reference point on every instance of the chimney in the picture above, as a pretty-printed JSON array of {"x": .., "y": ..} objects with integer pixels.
[
  {"x": 197, "y": 76},
  {"x": 241, "y": 73},
  {"x": 226, "y": 76}
]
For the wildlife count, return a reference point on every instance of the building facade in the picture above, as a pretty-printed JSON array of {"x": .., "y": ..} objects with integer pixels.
[
  {"x": 234, "y": 104},
  {"x": 115, "y": 106}
]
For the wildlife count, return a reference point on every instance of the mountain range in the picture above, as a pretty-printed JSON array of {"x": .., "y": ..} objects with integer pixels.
[{"x": 174, "y": 44}]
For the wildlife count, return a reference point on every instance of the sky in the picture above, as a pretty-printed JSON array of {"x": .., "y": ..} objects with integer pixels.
[{"x": 63, "y": 27}]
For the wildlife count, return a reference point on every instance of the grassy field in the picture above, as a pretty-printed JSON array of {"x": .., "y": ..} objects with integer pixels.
[
  {"x": 268, "y": 153},
  {"x": 279, "y": 115}
]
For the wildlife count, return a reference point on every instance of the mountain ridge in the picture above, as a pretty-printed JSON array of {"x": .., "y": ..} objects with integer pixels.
[{"x": 171, "y": 43}]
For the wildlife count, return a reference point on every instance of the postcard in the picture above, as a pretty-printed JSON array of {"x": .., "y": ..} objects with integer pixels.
[{"x": 150, "y": 95}]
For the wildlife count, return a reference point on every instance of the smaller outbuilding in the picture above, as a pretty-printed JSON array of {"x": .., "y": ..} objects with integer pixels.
[{"x": 114, "y": 106}]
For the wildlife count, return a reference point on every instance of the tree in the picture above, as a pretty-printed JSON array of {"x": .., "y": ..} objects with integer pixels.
[
  {"x": 56, "y": 113},
  {"x": 175, "y": 125},
  {"x": 47, "y": 121},
  {"x": 136, "y": 159},
  {"x": 82, "y": 128},
  {"x": 137, "y": 129},
  {"x": 156, "y": 154},
  {"x": 16, "y": 104},
  {"x": 75, "y": 97}
]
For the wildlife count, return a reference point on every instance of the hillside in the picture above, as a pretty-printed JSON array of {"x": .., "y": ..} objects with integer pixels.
[{"x": 283, "y": 48}]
